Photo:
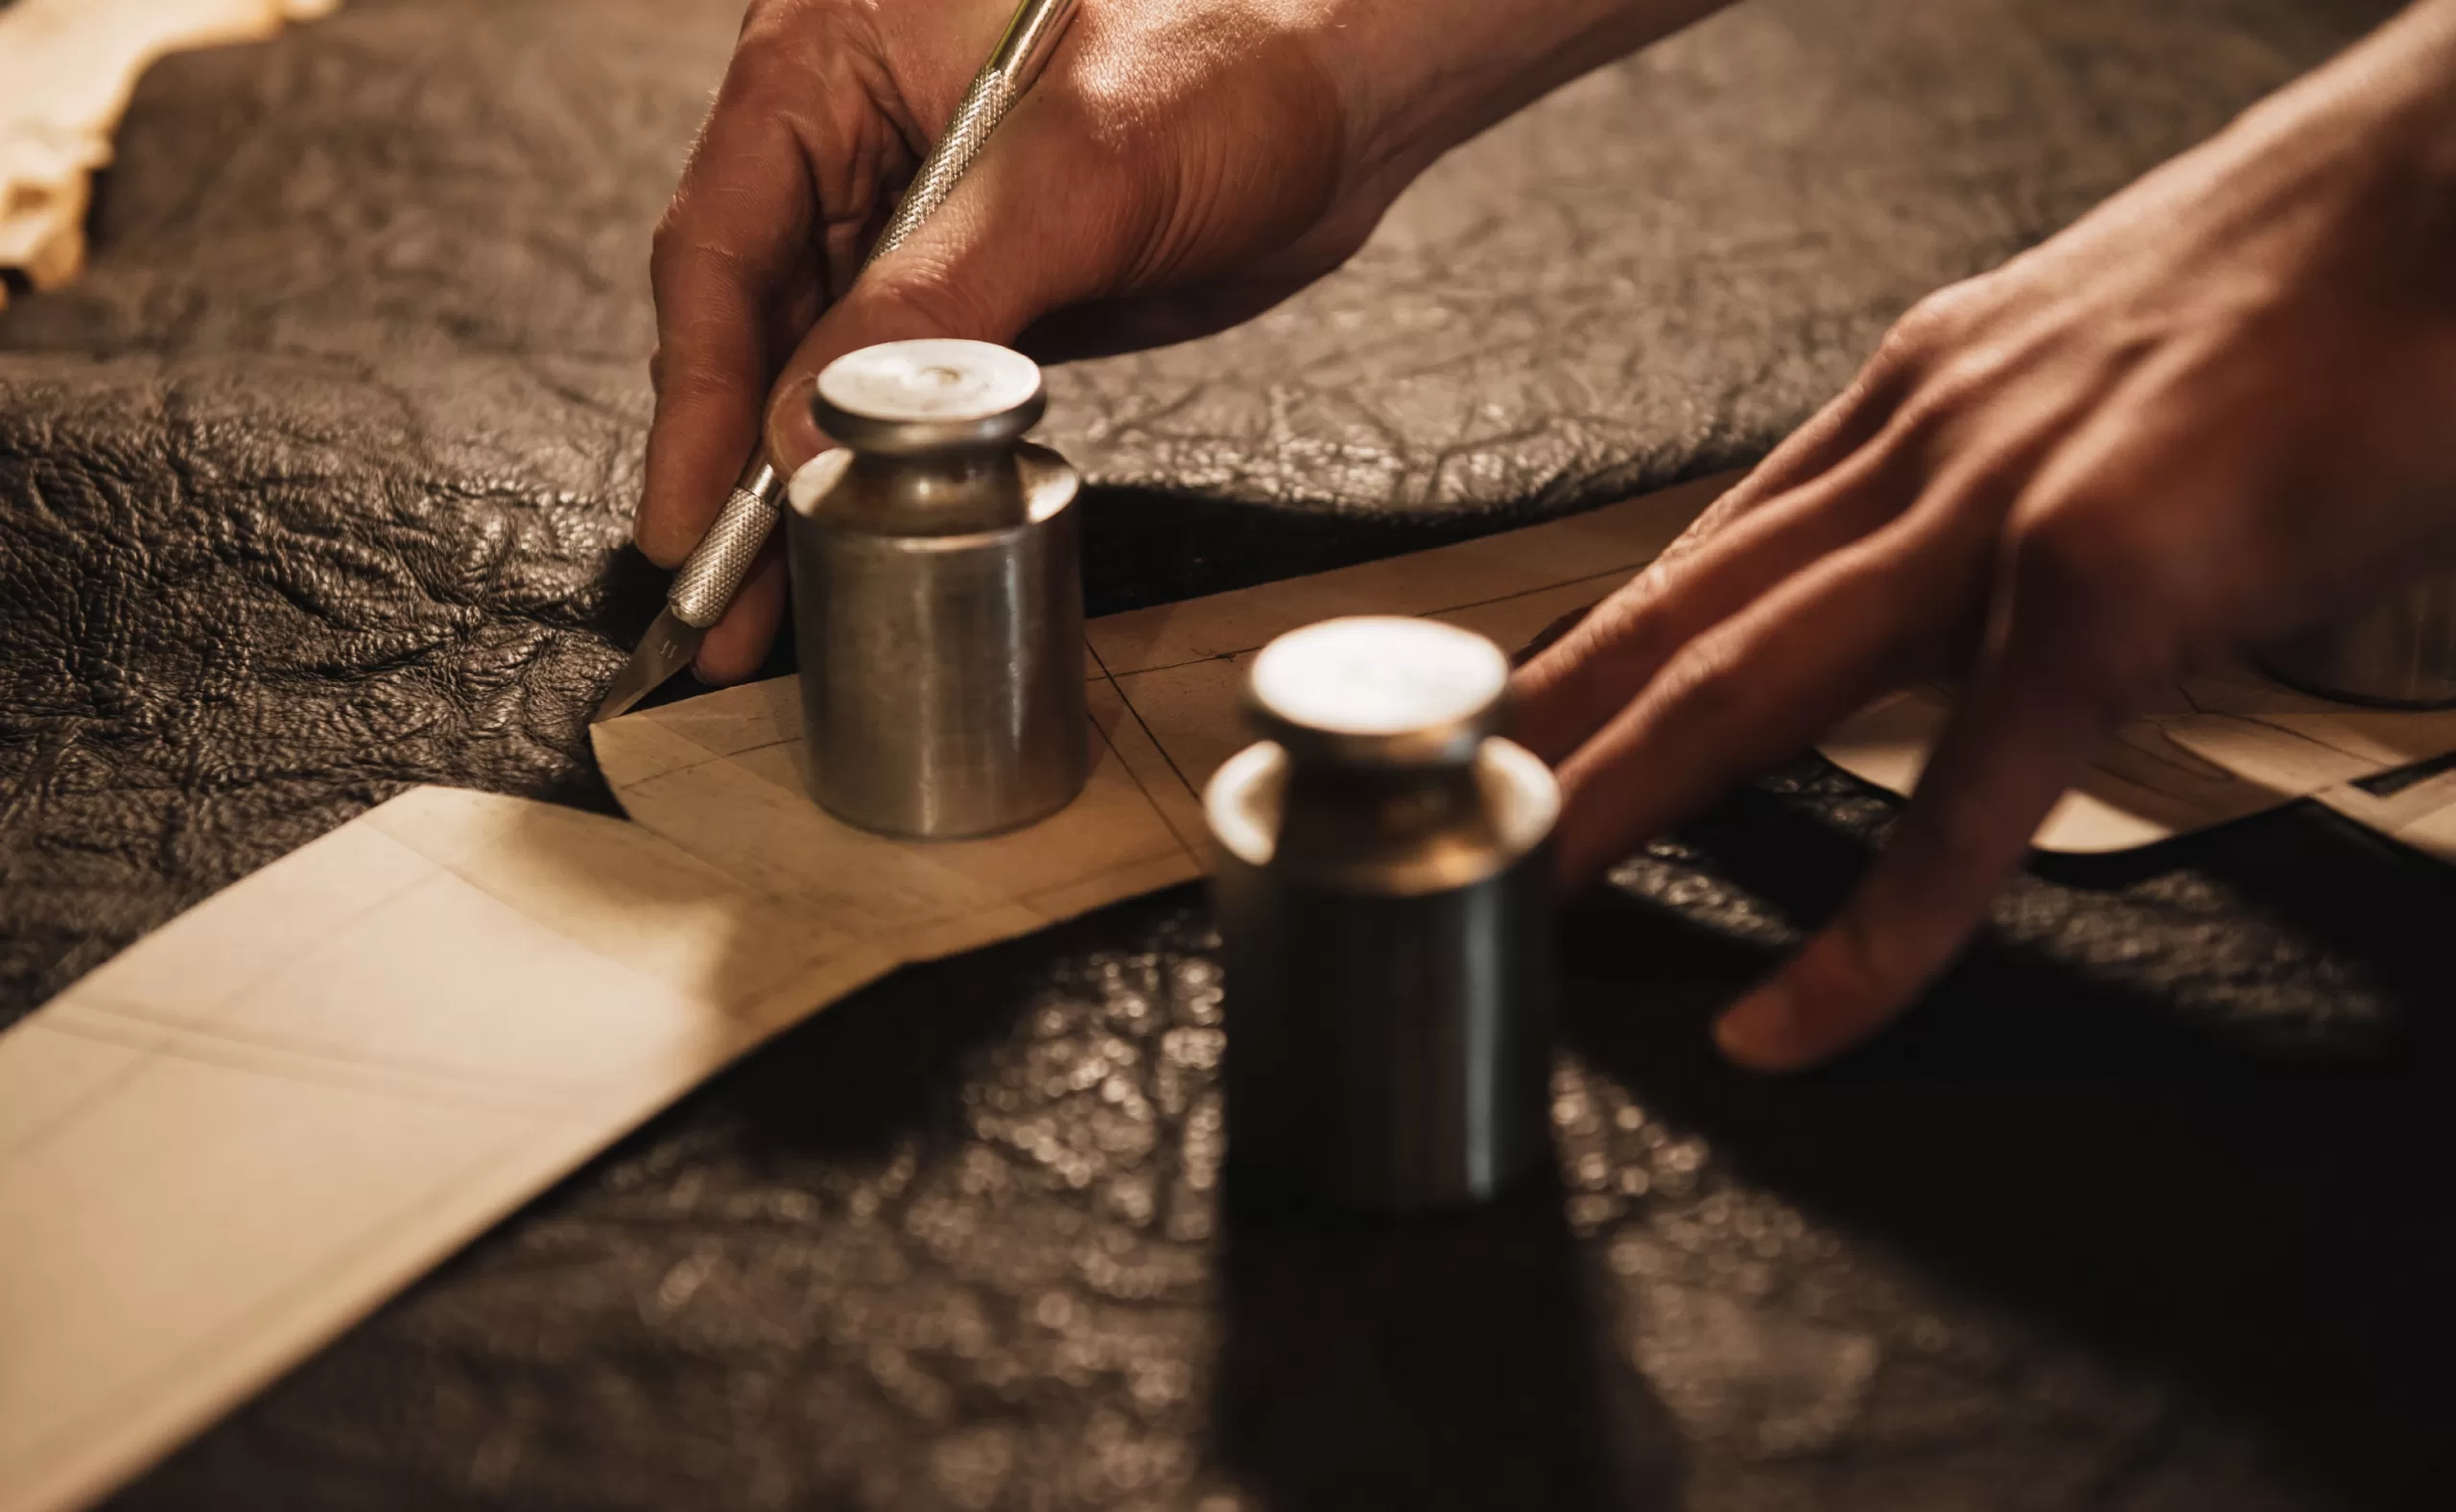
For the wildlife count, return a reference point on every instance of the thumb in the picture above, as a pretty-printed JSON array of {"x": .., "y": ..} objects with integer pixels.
[{"x": 1023, "y": 234}]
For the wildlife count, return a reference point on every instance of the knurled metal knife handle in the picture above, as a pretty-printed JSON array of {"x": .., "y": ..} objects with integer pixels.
[
  {"x": 1031, "y": 37},
  {"x": 705, "y": 586}
]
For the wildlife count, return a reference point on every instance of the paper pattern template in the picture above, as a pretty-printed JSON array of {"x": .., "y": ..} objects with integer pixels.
[
  {"x": 258, "y": 1122},
  {"x": 255, "y": 1125},
  {"x": 2227, "y": 746}
]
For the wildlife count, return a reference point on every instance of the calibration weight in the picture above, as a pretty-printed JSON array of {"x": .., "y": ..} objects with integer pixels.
[
  {"x": 1384, "y": 902},
  {"x": 939, "y": 596}
]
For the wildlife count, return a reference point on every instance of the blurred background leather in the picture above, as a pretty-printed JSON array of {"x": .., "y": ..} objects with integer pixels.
[{"x": 318, "y": 486}]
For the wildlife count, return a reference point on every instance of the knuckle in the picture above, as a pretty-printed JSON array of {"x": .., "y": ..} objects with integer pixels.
[
  {"x": 1935, "y": 332},
  {"x": 1943, "y": 315},
  {"x": 1974, "y": 367},
  {"x": 1632, "y": 619},
  {"x": 1932, "y": 408},
  {"x": 769, "y": 25},
  {"x": 1728, "y": 507},
  {"x": 682, "y": 383},
  {"x": 1619, "y": 637},
  {"x": 688, "y": 265},
  {"x": 665, "y": 247},
  {"x": 2095, "y": 589},
  {"x": 928, "y": 295},
  {"x": 1924, "y": 330},
  {"x": 1703, "y": 683},
  {"x": 767, "y": 72},
  {"x": 1950, "y": 396}
]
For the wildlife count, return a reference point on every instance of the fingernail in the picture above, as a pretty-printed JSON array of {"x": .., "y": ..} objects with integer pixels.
[
  {"x": 656, "y": 544},
  {"x": 792, "y": 436},
  {"x": 1760, "y": 1030}
]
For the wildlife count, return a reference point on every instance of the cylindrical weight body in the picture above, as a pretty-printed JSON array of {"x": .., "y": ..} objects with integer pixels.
[
  {"x": 2400, "y": 654},
  {"x": 1383, "y": 900},
  {"x": 942, "y": 675}
]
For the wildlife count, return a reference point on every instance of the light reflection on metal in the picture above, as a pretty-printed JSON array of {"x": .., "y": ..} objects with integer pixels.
[{"x": 1384, "y": 896}]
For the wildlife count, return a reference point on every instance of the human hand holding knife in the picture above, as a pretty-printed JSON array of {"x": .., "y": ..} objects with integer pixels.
[
  {"x": 709, "y": 578},
  {"x": 1179, "y": 166}
]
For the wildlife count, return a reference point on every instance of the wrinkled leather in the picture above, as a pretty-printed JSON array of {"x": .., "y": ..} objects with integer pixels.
[{"x": 317, "y": 487}]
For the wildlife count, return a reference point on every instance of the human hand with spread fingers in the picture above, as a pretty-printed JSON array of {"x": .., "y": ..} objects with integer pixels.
[
  {"x": 1180, "y": 166},
  {"x": 2212, "y": 413}
]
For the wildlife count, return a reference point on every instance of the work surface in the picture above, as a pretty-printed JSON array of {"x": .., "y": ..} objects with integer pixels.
[{"x": 316, "y": 487}]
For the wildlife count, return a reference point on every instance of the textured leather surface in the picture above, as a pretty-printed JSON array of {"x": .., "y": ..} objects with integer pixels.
[{"x": 317, "y": 486}]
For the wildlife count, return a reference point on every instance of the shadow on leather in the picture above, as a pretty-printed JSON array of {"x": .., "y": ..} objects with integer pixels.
[
  {"x": 909, "y": 1035},
  {"x": 2269, "y": 1231},
  {"x": 1442, "y": 1362},
  {"x": 906, "y": 1033},
  {"x": 1149, "y": 546}
]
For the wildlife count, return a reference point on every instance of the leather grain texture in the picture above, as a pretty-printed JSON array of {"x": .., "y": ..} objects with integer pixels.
[{"x": 317, "y": 485}]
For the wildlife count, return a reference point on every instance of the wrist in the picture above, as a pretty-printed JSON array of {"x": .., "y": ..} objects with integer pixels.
[
  {"x": 1419, "y": 77},
  {"x": 2377, "y": 126},
  {"x": 2395, "y": 90}
]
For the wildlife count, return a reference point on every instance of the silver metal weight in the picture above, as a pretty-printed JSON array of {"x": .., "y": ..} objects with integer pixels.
[
  {"x": 2399, "y": 654},
  {"x": 939, "y": 596},
  {"x": 1384, "y": 895}
]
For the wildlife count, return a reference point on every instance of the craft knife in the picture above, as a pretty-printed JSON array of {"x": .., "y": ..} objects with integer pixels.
[{"x": 705, "y": 586}]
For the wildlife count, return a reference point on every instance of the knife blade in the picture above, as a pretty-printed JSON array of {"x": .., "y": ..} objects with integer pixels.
[{"x": 704, "y": 587}]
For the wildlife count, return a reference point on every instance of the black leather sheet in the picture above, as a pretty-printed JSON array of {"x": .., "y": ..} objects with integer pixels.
[{"x": 317, "y": 487}]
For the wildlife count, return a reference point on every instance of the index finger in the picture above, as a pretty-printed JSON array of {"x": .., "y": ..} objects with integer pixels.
[
  {"x": 1828, "y": 475},
  {"x": 2022, "y": 738},
  {"x": 736, "y": 240},
  {"x": 1756, "y": 688}
]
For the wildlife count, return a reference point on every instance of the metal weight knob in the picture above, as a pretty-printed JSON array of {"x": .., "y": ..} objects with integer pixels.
[
  {"x": 1384, "y": 896},
  {"x": 924, "y": 398},
  {"x": 937, "y": 596}
]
